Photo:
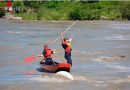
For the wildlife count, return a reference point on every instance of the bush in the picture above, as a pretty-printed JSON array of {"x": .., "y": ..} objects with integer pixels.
[
  {"x": 2, "y": 13},
  {"x": 128, "y": 15},
  {"x": 75, "y": 14},
  {"x": 85, "y": 12},
  {"x": 75, "y": 9},
  {"x": 125, "y": 10}
]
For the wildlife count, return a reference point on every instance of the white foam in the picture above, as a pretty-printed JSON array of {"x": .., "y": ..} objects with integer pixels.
[
  {"x": 13, "y": 32},
  {"x": 79, "y": 78},
  {"x": 121, "y": 68},
  {"x": 23, "y": 28},
  {"x": 56, "y": 79},
  {"x": 52, "y": 79},
  {"x": 117, "y": 37},
  {"x": 90, "y": 53},
  {"x": 88, "y": 79},
  {"x": 121, "y": 80},
  {"x": 103, "y": 58}
]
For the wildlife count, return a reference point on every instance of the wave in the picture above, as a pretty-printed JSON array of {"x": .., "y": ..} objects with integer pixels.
[
  {"x": 107, "y": 61},
  {"x": 47, "y": 78},
  {"x": 117, "y": 37},
  {"x": 57, "y": 79},
  {"x": 120, "y": 80},
  {"x": 113, "y": 58},
  {"x": 121, "y": 68},
  {"x": 110, "y": 59},
  {"x": 13, "y": 32},
  {"x": 83, "y": 78}
]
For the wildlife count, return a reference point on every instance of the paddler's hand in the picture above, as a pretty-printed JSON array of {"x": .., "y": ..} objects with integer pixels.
[
  {"x": 53, "y": 51},
  {"x": 40, "y": 55}
]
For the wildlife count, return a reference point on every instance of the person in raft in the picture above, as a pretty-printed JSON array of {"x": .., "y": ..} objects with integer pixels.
[
  {"x": 47, "y": 52},
  {"x": 66, "y": 44}
]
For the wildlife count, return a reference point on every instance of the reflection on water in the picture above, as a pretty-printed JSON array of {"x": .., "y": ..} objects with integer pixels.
[{"x": 100, "y": 55}]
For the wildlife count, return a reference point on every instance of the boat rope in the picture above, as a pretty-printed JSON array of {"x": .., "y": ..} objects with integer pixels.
[{"x": 63, "y": 32}]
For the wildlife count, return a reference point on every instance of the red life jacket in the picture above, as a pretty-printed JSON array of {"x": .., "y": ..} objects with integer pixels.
[{"x": 48, "y": 53}]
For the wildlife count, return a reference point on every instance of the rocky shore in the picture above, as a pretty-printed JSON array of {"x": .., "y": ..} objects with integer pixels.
[{"x": 9, "y": 16}]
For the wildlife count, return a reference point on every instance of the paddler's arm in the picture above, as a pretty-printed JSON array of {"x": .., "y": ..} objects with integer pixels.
[
  {"x": 40, "y": 55},
  {"x": 63, "y": 43},
  {"x": 53, "y": 51},
  {"x": 62, "y": 39},
  {"x": 70, "y": 39}
]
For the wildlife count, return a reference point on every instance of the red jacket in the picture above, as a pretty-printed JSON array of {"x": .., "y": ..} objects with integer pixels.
[{"x": 47, "y": 53}]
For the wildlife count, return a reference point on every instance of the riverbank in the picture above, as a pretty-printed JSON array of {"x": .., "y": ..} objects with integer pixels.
[
  {"x": 59, "y": 21},
  {"x": 10, "y": 16},
  {"x": 65, "y": 10}
]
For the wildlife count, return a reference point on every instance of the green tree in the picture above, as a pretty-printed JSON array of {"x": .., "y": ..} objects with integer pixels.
[{"x": 125, "y": 9}]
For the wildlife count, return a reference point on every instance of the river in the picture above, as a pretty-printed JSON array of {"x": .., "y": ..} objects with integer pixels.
[{"x": 100, "y": 55}]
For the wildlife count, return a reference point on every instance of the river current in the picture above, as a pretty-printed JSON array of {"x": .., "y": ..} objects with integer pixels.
[{"x": 101, "y": 55}]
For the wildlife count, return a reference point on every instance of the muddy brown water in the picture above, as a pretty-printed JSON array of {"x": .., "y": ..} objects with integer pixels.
[{"x": 101, "y": 55}]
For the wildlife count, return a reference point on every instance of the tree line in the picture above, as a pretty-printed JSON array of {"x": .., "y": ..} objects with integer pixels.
[{"x": 73, "y": 10}]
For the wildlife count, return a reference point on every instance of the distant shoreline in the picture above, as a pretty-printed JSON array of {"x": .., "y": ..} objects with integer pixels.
[
  {"x": 66, "y": 10},
  {"x": 60, "y": 21}
]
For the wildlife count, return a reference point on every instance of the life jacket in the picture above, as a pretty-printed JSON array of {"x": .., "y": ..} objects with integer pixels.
[
  {"x": 48, "y": 53},
  {"x": 69, "y": 46}
]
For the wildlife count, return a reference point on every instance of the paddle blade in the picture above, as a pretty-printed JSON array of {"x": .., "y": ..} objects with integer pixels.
[{"x": 29, "y": 59}]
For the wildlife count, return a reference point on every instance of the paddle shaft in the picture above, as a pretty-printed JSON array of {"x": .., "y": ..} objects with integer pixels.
[{"x": 63, "y": 32}]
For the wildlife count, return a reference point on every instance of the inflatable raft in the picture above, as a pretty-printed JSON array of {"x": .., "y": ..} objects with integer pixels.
[{"x": 56, "y": 67}]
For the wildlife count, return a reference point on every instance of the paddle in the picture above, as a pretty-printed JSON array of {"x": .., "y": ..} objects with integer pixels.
[{"x": 30, "y": 59}]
